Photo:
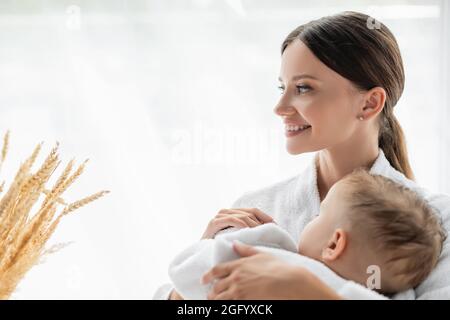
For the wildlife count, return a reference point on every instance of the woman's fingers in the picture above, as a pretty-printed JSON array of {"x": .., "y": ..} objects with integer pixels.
[
  {"x": 223, "y": 221},
  {"x": 219, "y": 271},
  {"x": 248, "y": 217},
  {"x": 250, "y": 222},
  {"x": 220, "y": 286},
  {"x": 239, "y": 213},
  {"x": 262, "y": 217},
  {"x": 221, "y": 296},
  {"x": 230, "y": 221},
  {"x": 239, "y": 218}
]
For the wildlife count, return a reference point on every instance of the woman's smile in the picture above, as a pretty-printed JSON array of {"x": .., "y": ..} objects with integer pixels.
[{"x": 291, "y": 130}]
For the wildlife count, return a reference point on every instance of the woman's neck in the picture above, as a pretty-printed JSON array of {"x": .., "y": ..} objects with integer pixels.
[{"x": 333, "y": 164}]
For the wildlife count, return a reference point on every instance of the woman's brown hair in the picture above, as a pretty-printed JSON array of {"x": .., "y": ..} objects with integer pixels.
[{"x": 365, "y": 52}]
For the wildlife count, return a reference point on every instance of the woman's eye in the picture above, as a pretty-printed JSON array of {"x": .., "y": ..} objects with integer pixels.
[{"x": 303, "y": 89}]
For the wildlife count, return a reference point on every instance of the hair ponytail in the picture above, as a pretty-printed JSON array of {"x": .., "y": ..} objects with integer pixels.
[{"x": 392, "y": 141}]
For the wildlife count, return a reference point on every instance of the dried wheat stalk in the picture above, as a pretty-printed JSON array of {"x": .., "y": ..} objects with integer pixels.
[{"x": 23, "y": 235}]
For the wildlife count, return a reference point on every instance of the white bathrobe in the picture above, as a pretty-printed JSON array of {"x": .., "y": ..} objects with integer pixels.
[{"x": 295, "y": 201}]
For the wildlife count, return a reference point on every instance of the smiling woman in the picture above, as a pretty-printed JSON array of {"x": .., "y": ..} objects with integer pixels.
[
  {"x": 341, "y": 90},
  {"x": 343, "y": 111}
]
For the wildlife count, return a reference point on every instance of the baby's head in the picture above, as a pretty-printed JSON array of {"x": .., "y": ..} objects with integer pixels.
[{"x": 368, "y": 220}]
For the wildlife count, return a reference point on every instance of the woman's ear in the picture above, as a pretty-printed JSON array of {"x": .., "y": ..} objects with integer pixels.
[
  {"x": 335, "y": 246},
  {"x": 373, "y": 103}
]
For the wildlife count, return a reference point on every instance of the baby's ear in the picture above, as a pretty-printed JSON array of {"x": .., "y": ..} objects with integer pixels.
[{"x": 335, "y": 246}]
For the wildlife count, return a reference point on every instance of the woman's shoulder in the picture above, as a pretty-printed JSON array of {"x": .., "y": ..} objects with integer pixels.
[{"x": 439, "y": 201}]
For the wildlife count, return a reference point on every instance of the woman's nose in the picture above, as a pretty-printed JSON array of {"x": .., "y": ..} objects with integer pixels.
[{"x": 284, "y": 110}]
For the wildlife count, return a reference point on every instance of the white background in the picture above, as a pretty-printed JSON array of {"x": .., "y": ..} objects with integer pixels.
[{"x": 172, "y": 101}]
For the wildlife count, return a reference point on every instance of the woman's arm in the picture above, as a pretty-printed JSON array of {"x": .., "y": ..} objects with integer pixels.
[
  {"x": 310, "y": 287},
  {"x": 261, "y": 276},
  {"x": 295, "y": 292}
]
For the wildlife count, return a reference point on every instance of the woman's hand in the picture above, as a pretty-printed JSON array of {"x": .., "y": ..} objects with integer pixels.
[
  {"x": 174, "y": 295},
  {"x": 239, "y": 218},
  {"x": 261, "y": 276}
]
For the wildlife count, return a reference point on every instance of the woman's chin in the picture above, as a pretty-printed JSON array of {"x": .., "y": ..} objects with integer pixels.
[
  {"x": 300, "y": 143},
  {"x": 295, "y": 149}
]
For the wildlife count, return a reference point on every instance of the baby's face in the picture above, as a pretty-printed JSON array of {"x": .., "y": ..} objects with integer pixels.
[{"x": 319, "y": 231}]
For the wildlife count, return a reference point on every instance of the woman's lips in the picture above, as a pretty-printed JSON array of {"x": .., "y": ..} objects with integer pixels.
[{"x": 293, "y": 130}]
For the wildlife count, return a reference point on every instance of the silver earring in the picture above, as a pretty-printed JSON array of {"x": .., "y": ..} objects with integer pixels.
[{"x": 361, "y": 118}]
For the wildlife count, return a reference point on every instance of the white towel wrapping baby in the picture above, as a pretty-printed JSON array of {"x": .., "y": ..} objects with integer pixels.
[{"x": 188, "y": 267}]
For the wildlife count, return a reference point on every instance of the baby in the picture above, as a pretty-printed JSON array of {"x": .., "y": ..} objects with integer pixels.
[
  {"x": 367, "y": 223},
  {"x": 368, "y": 220}
]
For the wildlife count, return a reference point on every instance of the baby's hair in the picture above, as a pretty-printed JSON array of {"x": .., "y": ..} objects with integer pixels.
[{"x": 398, "y": 225}]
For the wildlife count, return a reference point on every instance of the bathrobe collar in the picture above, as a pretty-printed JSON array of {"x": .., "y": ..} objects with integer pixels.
[{"x": 307, "y": 181}]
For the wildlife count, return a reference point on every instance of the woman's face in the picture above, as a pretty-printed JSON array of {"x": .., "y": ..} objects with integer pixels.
[{"x": 318, "y": 106}]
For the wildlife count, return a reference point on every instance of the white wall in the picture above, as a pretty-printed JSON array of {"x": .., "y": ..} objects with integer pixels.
[{"x": 172, "y": 102}]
